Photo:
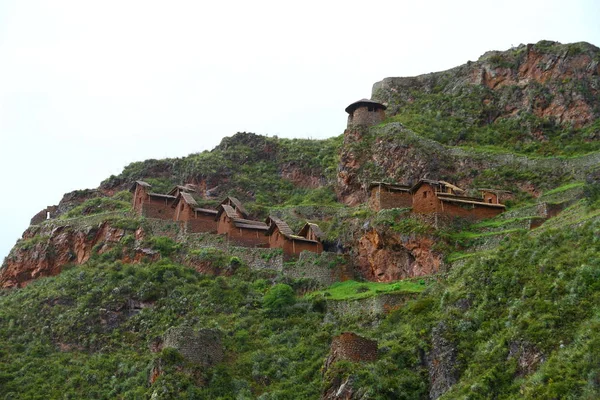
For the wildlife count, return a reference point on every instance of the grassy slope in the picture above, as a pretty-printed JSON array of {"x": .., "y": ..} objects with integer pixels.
[{"x": 538, "y": 291}]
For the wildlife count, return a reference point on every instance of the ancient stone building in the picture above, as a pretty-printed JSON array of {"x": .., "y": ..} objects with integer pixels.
[
  {"x": 241, "y": 231},
  {"x": 386, "y": 195},
  {"x": 196, "y": 219},
  {"x": 199, "y": 346},
  {"x": 47, "y": 213},
  {"x": 444, "y": 198},
  {"x": 281, "y": 236},
  {"x": 351, "y": 347},
  {"x": 365, "y": 112},
  {"x": 151, "y": 205}
]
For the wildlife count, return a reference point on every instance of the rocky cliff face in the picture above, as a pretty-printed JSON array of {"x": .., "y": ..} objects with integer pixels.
[
  {"x": 386, "y": 257},
  {"x": 45, "y": 250},
  {"x": 548, "y": 79}
]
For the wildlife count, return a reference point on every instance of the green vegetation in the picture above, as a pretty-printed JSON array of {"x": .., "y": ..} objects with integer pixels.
[
  {"x": 279, "y": 298},
  {"x": 254, "y": 168},
  {"x": 352, "y": 290},
  {"x": 98, "y": 205}
]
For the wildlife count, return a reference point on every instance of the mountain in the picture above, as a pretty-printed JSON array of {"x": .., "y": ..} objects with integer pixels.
[{"x": 100, "y": 302}]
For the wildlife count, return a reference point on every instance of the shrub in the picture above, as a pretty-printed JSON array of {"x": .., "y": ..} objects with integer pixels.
[{"x": 278, "y": 298}]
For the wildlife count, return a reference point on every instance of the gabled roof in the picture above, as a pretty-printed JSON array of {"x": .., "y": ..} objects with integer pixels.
[
  {"x": 390, "y": 186},
  {"x": 141, "y": 183},
  {"x": 162, "y": 196},
  {"x": 206, "y": 211},
  {"x": 363, "y": 102},
  {"x": 283, "y": 227},
  {"x": 435, "y": 183},
  {"x": 237, "y": 204},
  {"x": 314, "y": 227},
  {"x": 188, "y": 199},
  {"x": 466, "y": 200},
  {"x": 453, "y": 187},
  {"x": 228, "y": 210},
  {"x": 181, "y": 188},
  {"x": 249, "y": 224}
]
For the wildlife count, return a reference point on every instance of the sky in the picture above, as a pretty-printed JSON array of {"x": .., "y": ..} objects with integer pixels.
[{"x": 87, "y": 87}]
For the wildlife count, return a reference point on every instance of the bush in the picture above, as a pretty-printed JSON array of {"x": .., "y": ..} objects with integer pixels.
[
  {"x": 165, "y": 245},
  {"x": 278, "y": 298}
]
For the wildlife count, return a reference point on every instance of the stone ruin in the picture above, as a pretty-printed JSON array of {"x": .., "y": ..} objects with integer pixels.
[
  {"x": 198, "y": 346},
  {"x": 351, "y": 347}
]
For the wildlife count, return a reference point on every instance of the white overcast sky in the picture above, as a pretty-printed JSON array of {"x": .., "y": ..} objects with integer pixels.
[{"x": 86, "y": 87}]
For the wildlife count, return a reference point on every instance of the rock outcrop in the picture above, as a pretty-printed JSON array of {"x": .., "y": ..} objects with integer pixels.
[
  {"x": 441, "y": 362},
  {"x": 389, "y": 257},
  {"x": 201, "y": 346},
  {"x": 548, "y": 79},
  {"x": 44, "y": 250}
]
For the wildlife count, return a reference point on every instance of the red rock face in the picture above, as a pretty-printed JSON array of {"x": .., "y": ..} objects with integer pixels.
[
  {"x": 60, "y": 246},
  {"x": 544, "y": 68},
  {"x": 390, "y": 258}
]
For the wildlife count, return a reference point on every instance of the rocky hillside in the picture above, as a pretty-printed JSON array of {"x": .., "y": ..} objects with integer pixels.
[
  {"x": 538, "y": 98},
  {"x": 100, "y": 303}
]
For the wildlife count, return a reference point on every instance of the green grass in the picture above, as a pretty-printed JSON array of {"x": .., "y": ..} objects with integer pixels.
[
  {"x": 352, "y": 290},
  {"x": 476, "y": 235},
  {"x": 564, "y": 188},
  {"x": 498, "y": 222}
]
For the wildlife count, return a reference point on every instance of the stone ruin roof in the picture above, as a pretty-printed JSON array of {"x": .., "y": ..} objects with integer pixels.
[
  {"x": 435, "y": 183},
  {"x": 237, "y": 219},
  {"x": 228, "y": 210},
  {"x": 181, "y": 188},
  {"x": 283, "y": 227},
  {"x": 315, "y": 228},
  {"x": 206, "y": 211},
  {"x": 468, "y": 200},
  {"x": 188, "y": 199},
  {"x": 285, "y": 230},
  {"x": 237, "y": 204},
  {"x": 364, "y": 102},
  {"x": 141, "y": 183},
  {"x": 162, "y": 196},
  {"x": 391, "y": 186}
]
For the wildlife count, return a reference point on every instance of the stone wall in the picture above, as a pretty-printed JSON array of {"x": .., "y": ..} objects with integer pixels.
[
  {"x": 325, "y": 268},
  {"x": 350, "y": 347},
  {"x": 371, "y": 307},
  {"x": 198, "y": 346},
  {"x": 362, "y": 116},
  {"x": 43, "y": 215}
]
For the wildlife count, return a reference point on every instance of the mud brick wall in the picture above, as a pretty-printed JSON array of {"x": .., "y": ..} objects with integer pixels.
[
  {"x": 157, "y": 209},
  {"x": 471, "y": 211},
  {"x": 199, "y": 346},
  {"x": 248, "y": 237},
  {"x": 384, "y": 199},
  {"x": 202, "y": 223}
]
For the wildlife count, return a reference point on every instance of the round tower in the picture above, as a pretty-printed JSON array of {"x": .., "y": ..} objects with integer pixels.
[{"x": 365, "y": 112}]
